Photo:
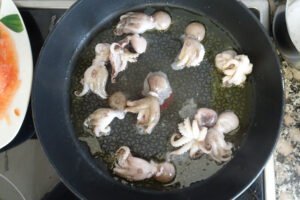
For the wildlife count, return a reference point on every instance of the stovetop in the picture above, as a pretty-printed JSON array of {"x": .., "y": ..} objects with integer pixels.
[{"x": 39, "y": 22}]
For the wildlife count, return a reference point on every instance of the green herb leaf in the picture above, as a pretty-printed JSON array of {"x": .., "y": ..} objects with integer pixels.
[{"x": 13, "y": 22}]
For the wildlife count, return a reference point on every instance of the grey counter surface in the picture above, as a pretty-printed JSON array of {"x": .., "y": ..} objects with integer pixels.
[{"x": 287, "y": 153}]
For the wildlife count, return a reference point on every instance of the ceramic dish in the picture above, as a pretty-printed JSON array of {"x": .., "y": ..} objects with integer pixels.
[{"x": 15, "y": 71}]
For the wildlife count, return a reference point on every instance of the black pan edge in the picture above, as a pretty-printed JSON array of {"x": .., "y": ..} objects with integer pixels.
[{"x": 73, "y": 181}]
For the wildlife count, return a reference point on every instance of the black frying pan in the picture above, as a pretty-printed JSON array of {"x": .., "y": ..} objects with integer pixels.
[{"x": 53, "y": 104}]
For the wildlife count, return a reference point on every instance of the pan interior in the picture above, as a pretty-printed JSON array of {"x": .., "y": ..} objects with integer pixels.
[{"x": 201, "y": 85}]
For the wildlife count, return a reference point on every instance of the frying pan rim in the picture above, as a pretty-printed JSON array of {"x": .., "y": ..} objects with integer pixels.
[{"x": 152, "y": 191}]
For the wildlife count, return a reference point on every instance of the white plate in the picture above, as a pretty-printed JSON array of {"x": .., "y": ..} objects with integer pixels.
[{"x": 9, "y": 130}]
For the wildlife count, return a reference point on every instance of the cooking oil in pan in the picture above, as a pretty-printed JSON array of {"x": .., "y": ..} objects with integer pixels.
[{"x": 202, "y": 84}]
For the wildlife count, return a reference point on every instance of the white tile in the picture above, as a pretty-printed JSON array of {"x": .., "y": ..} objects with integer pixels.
[{"x": 27, "y": 167}]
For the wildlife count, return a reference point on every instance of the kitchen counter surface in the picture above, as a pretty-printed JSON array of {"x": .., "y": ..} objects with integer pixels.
[{"x": 287, "y": 153}]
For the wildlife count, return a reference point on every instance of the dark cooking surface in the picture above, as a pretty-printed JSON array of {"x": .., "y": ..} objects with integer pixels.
[
  {"x": 201, "y": 84},
  {"x": 239, "y": 179},
  {"x": 39, "y": 22}
]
